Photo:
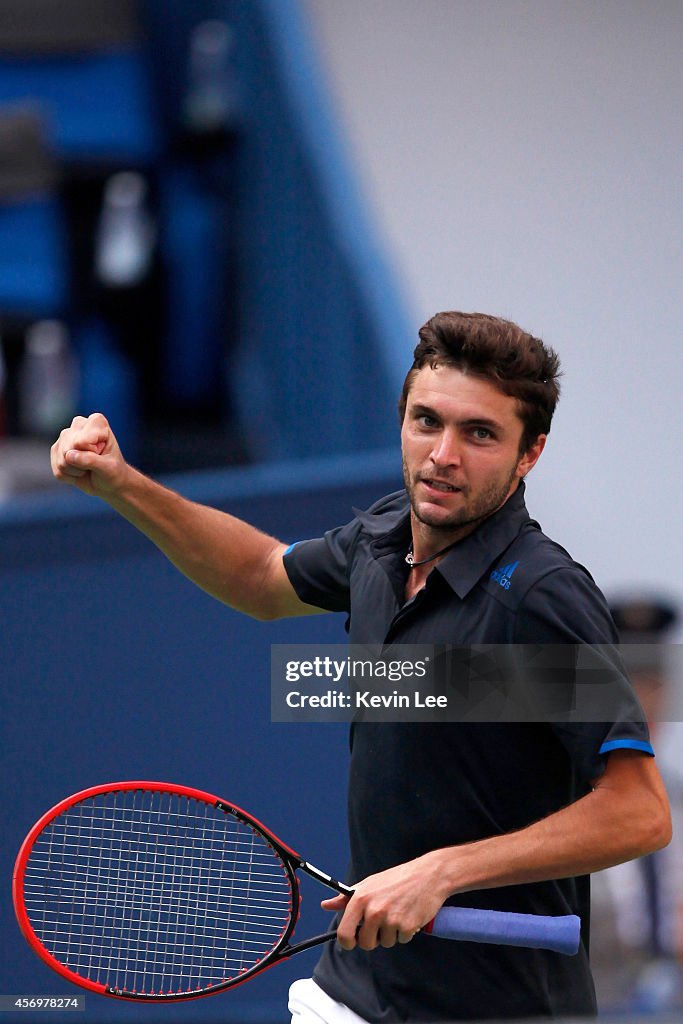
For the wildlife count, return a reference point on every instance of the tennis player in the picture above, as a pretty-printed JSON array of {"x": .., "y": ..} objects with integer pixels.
[{"x": 509, "y": 816}]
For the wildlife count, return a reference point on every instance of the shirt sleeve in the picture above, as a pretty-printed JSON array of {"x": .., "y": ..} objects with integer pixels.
[
  {"x": 319, "y": 569},
  {"x": 600, "y": 711}
]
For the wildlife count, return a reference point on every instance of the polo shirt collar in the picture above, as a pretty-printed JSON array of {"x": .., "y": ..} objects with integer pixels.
[
  {"x": 388, "y": 527},
  {"x": 469, "y": 560}
]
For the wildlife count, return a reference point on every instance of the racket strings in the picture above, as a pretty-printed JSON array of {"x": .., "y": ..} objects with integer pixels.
[{"x": 155, "y": 893}]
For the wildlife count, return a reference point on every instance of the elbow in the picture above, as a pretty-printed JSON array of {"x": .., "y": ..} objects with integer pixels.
[
  {"x": 656, "y": 828},
  {"x": 664, "y": 833},
  {"x": 264, "y": 614},
  {"x": 260, "y": 609},
  {"x": 636, "y": 805}
]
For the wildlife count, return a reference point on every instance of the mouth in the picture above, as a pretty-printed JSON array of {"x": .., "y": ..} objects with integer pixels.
[{"x": 442, "y": 486}]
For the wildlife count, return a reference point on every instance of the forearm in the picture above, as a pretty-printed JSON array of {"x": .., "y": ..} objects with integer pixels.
[
  {"x": 228, "y": 558},
  {"x": 223, "y": 555},
  {"x": 566, "y": 844}
]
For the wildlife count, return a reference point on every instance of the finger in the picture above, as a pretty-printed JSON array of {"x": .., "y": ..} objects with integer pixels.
[
  {"x": 388, "y": 937},
  {"x": 60, "y": 466},
  {"x": 404, "y": 937},
  {"x": 369, "y": 935},
  {"x": 64, "y": 461},
  {"x": 99, "y": 430},
  {"x": 72, "y": 472},
  {"x": 335, "y": 903},
  {"x": 71, "y": 442},
  {"x": 83, "y": 442},
  {"x": 77, "y": 463},
  {"x": 99, "y": 419},
  {"x": 349, "y": 926},
  {"x": 93, "y": 430}
]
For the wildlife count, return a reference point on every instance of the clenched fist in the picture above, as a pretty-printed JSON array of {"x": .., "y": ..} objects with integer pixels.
[{"x": 87, "y": 455}]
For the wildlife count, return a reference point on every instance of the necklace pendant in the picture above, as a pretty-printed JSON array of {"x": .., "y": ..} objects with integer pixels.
[{"x": 410, "y": 557}]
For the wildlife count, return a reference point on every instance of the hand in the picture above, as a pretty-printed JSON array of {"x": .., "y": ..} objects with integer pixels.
[
  {"x": 391, "y": 906},
  {"x": 87, "y": 455}
]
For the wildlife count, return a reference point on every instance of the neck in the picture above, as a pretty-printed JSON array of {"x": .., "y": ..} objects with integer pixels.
[
  {"x": 429, "y": 545},
  {"x": 429, "y": 542},
  {"x": 415, "y": 563}
]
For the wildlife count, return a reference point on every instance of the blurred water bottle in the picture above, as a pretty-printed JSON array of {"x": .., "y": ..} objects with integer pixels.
[
  {"x": 210, "y": 105},
  {"x": 5, "y": 476},
  {"x": 126, "y": 234},
  {"x": 48, "y": 379},
  {"x": 3, "y": 382}
]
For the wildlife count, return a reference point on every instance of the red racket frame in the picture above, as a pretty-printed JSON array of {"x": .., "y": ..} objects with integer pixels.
[{"x": 290, "y": 857}]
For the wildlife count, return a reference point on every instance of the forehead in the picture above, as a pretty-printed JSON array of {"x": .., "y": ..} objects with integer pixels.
[{"x": 451, "y": 391}]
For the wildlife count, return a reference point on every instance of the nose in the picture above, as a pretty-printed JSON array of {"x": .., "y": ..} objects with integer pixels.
[{"x": 446, "y": 450}]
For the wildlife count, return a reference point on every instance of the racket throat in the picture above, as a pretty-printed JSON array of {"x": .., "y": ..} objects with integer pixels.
[
  {"x": 326, "y": 879},
  {"x": 298, "y": 947}
]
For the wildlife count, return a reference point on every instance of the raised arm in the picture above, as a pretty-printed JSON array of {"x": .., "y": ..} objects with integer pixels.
[{"x": 226, "y": 557}]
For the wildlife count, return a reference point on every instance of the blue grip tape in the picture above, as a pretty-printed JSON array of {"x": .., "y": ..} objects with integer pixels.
[{"x": 560, "y": 934}]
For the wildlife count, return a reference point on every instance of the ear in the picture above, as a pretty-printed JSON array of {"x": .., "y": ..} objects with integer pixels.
[{"x": 531, "y": 456}]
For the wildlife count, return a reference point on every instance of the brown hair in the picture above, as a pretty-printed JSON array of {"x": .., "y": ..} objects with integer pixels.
[{"x": 517, "y": 363}]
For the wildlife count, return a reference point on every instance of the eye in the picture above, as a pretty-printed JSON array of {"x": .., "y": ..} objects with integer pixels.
[
  {"x": 482, "y": 433},
  {"x": 425, "y": 420}
]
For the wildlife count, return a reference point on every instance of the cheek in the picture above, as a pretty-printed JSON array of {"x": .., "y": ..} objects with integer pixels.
[
  {"x": 485, "y": 463},
  {"x": 412, "y": 445}
]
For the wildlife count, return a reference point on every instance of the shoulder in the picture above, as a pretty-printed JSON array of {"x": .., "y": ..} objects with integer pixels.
[
  {"x": 338, "y": 547},
  {"x": 386, "y": 511},
  {"x": 386, "y": 515},
  {"x": 531, "y": 558},
  {"x": 553, "y": 597}
]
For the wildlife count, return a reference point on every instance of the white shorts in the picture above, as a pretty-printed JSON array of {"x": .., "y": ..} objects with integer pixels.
[{"x": 308, "y": 1004}]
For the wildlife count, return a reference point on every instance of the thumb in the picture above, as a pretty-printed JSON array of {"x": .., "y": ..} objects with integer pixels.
[
  {"x": 335, "y": 903},
  {"x": 85, "y": 460},
  {"x": 99, "y": 473}
]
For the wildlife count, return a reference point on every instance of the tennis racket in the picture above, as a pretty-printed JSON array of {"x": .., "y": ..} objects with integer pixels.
[{"x": 150, "y": 891}]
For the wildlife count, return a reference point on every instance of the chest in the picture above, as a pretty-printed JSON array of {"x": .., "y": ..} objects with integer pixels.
[{"x": 389, "y": 607}]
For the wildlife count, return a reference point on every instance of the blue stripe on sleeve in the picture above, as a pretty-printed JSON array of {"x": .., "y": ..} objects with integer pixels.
[
  {"x": 626, "y": 745},
  {"x": 290, "y": 548}
]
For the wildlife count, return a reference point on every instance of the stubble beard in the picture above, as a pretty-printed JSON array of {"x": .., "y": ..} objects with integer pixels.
[{"x": 474, "y": 511}]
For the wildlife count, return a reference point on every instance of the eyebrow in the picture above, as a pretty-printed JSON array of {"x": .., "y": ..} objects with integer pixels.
[
  {"x": 480, "y": 421},
  {"x": 471, "y": 421}
]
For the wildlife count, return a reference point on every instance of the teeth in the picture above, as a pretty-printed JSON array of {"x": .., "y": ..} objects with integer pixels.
[{"x": 441, "y": 487}]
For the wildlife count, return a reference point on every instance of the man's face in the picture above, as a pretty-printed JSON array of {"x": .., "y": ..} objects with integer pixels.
[{"x": 460, "y": 440}]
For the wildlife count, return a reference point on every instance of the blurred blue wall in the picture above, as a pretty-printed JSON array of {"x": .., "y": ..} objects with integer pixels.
[
  {"x": 115, "y": 666},
  {"x": 322, "y": 318},
  {"x": 274, "y": 283}
]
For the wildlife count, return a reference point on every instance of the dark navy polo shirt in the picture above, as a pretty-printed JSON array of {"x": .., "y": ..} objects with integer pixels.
[{"x": 416, "y": 787}]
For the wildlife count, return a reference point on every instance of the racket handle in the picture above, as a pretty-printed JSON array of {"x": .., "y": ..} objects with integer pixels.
[{"x": 560, "y": 934}]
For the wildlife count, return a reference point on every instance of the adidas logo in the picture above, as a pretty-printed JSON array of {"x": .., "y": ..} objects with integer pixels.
[{"x": 503, "y": 575}]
